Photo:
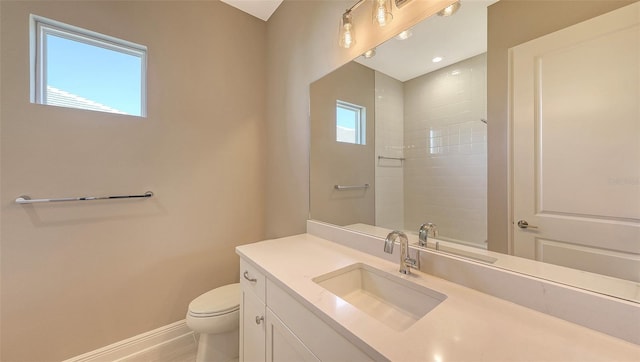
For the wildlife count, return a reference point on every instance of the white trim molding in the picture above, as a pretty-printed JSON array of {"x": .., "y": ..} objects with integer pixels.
[{"x": 137, "y": 344}]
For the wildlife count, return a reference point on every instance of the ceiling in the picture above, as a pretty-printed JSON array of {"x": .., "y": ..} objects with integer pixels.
[
  {"x": 453, "y": 38},
  {"x": 261, "y": 9}
]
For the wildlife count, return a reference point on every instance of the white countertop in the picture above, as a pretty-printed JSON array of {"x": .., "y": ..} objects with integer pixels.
[{"x": 467, "y": 326}]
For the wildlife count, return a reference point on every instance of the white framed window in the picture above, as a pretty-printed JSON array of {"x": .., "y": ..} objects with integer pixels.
[
  {"x": 351, "y": 122},
  {"x": 78, "y": 68}
]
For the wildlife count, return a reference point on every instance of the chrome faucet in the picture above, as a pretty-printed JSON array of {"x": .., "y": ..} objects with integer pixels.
[
  {"x": 405, "y": 261},
  {"x": 427, "y": 230}
]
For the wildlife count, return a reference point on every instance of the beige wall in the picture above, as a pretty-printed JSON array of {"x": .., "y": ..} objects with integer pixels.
[
  {"x": 512, "y": 22},
  {"x": 339, "y": 163},
  {"x": 79, "y": 276},
  {"x": 302, "y": 47}
]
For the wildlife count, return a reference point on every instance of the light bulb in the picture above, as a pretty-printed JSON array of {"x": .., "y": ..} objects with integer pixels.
[
  {"x": 347, "y": 38},
  {"x": 381, "y": 16},
  {"x": 347, "y": 31},
  {"x": 382, "y": 12}
]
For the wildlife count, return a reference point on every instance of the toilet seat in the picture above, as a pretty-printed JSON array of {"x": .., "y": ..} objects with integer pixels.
[{"x": 217, "y": 302}]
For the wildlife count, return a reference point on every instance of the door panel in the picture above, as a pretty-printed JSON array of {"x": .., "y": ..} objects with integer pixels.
[
  {"x": 596, "y": 260},
  {"x": 588, "y": 117},
  {"x": 576, "y": 145},
  {"x": 253, "y": 328},
  {"x": 283, "y": 345}
]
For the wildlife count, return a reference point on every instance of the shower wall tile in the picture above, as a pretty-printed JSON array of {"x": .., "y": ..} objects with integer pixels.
[
  {"x": 389, "y": 143},
  {"x": 445, "y": 173}
]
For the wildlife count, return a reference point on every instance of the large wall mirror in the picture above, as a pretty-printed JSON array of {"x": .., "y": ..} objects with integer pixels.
[{"x": 399, "y": 138}]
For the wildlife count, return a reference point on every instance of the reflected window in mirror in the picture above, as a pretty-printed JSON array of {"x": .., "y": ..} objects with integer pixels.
[{"x": 350, "y": 123}]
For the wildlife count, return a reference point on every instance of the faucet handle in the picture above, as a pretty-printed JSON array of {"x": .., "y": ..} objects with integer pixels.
[{"x": 411, "y": 262}]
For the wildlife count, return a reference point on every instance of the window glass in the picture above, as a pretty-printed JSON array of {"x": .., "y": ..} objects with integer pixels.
[
  {"x": 350, "y": 123},
  {"x": 81, "y": 69}
]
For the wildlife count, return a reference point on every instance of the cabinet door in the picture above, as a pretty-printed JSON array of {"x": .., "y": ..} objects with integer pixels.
[
  {"x": 252, "y": 334},
  {"x": 282, "y": 344}
]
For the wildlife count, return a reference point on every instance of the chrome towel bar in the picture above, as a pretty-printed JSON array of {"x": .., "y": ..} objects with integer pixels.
[
  {"x": 28, "y": 200},
  {"x": 350, "y": 187},
  {"x": 391, "y": 158}
]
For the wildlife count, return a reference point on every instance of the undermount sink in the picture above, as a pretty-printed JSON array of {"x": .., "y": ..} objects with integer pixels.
[{"x": 394, "y": 301}]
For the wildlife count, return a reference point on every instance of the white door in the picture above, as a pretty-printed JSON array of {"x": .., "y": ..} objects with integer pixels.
[{"x": 575, "y": 113}]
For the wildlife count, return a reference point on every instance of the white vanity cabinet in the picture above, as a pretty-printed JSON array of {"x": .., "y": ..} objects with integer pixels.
[{"x": 274, "y": 327}]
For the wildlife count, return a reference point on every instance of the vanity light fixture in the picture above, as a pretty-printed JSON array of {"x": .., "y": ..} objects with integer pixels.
[
  {"x": 370, "y": 53},
  {"x": 382, "y": 14},
  {"x": 450, "y": 10},
  {"x": 404, "y": 35}
]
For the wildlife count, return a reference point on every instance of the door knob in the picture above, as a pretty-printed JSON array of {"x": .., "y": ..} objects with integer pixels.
[
  {"x": 259, "y": 319},
  {"x": 523, "y": 224}
]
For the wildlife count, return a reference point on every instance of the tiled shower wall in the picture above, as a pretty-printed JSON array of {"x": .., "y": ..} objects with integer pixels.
[
  {"x": 445, "y": 141},
  {"x": 389, "y": 143}
]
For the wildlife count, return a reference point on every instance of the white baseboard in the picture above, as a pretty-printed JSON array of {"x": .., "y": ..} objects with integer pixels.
[{"x": 136, "y": 344}]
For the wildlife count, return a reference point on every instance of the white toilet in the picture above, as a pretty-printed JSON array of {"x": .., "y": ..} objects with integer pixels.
[{"x": 216, "y": 316}]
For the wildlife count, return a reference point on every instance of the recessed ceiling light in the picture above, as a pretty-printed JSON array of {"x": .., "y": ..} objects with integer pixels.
[
  {"x": 450, "y": 10},
  {"x": 404, "y": 35},
  {"x": 436, "y": 59},
  {"x": 369, "y": 53}
]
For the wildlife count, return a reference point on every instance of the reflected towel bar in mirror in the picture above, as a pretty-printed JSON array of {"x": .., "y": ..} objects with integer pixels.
[
  {"x": 28, "y": 200},
  {"x": 350, "y": 187},
  {"x": 390, "y": 158}
]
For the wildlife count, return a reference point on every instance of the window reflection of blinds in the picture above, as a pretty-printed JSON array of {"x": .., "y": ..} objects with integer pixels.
[
  {"x": 350, "y": 123},
  {"x": 58, "y": 97}
]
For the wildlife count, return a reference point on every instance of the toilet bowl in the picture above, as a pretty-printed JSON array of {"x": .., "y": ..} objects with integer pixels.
[{"x": 215, "y": 315}]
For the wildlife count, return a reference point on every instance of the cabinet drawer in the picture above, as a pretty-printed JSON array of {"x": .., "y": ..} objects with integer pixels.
[{"x": 252, "y": 279}]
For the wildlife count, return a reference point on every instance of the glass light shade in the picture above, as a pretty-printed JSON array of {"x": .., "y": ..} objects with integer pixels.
[
  {"x": 347, "y": 31},
  {"x": 382, "y": 12}
]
